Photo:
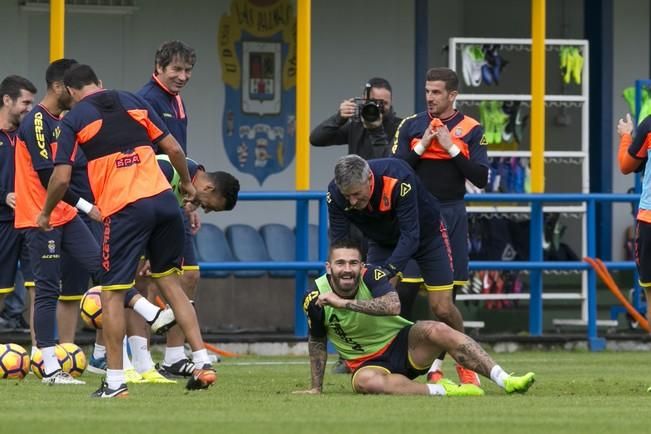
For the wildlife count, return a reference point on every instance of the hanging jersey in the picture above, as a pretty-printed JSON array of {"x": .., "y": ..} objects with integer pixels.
[
  {"x": 35, "y": 146},
  {"x": 354, "y": 334},
  {"x": 169, "y": 107},
  {"x": 173, "y": 176},
  {"x": 115, "y": 131}
]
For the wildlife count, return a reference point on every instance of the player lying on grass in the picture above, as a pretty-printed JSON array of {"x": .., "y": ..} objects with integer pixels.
[{"x": 357, "y": 310}]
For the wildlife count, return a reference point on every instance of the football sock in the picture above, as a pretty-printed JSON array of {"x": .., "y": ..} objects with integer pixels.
[
  {"x": 436, "y": 366},
  {"x": 145, "y": 309},
  {"x": 50, "y": 361},
  {"x": 200, "y": 357},
  {"x": 435, "y": 389},
  {"x": 115, "y": 378},
  {"x": 140, "y": 354},
  {"x": 498, "y": 375},
  {"x": 173, "y": 355},
  {"x": 99, "y": 351},
  {"x": 126, "y": 363}
]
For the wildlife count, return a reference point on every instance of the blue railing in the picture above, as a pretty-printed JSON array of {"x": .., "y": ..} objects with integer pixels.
[
  {"x": 535, "y": 265},
  {"x": 302, "y": 264}
]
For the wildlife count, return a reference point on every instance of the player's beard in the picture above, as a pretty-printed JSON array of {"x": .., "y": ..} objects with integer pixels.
[{"x": 345, "y": 283}]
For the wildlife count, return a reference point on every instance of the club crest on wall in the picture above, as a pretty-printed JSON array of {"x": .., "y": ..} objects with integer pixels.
[{"x": 257, "y": 52}]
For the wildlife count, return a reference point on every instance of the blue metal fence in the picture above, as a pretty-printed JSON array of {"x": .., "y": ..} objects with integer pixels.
[{"x": 535, "y": 265}]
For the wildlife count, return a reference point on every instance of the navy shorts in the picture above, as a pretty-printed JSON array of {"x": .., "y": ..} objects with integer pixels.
[
  {"x": 432, "y": 262},
  {"x": 189, "y": 258},
  {"x": 395, "y": 358},
  {"x": 456, "y": 220},
  {"x": 47, "y": 250},
  {"x": 74, "y": 277},
  {"x": 152, "y": 224},
  {"x": 12, "y": 249},
  {"x": 643, "y": 252}
]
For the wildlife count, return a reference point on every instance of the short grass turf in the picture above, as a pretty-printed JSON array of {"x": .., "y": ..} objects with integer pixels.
[{"x": 575, "y": 392}]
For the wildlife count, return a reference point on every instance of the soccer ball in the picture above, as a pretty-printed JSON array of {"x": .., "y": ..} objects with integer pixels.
[
  {"x": 91, "y": 307},
  {"x": 77, "y": 357},
  {"x": 14, "y": 361},
  {"x": 38, "y": 367}
]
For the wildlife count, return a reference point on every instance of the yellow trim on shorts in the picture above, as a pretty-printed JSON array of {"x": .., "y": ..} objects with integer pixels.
[
  {"x": 70, "y": 297},
  {"x": 352, "y": 379},
  {"x": 460, "y": 282},
  {"x": 190, "y": 268},
  {"x": 412, "y": 280},
  {"x": 30, "y": 284},
  {"x": 447, "y": 287},
  {"x": 644, "y": 285},
  {"x": 7, "y": 290},
  {"x": 414, "y": 365},
  {"x": 118, "y": 287},
  {"x": 166, "y": 273}
]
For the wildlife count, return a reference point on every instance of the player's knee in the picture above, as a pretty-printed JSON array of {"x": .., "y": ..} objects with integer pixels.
[
  {"x": 443, "y": 310},
  {"x": 189, "y": 281},
  {"x": 368, "y": 382},
  {"x": 435, "y": 330}
]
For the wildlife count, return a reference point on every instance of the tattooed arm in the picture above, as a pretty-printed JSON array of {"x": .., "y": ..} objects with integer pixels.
[
  {"x": 316, "y": 343},
  {"x": 385, "y": 305},
  {"x": 318, "y": 358}
]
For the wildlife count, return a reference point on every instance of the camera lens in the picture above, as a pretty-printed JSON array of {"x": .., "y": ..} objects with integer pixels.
[{"x": 370, "y": 112}]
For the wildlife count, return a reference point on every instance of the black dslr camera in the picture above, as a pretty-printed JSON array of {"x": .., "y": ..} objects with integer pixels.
[{"x": 367, "y": 109}]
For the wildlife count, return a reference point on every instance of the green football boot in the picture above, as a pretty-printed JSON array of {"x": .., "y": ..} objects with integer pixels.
[
  {"x": 513, "y": 384},
  {"x": 454, "y": 389}
]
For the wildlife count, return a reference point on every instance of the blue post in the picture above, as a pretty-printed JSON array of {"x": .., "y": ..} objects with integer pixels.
[
  {"x": 323, "y": 230},
  {"x": 594, "y": 342},
  {"x": 302, "y": 243},
  {"x": 535, "y": 275}
]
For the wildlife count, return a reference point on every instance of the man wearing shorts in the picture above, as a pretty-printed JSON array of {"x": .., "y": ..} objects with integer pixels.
[
  {"x": 116, "y": 130},
  {"x": 356, "y": 309},
  {"x": 444, "y": 157}
]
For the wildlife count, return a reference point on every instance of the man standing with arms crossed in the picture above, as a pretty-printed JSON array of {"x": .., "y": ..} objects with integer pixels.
[
  {"x": 116, "y": 131},
  {"x": 446, "y": 147}
]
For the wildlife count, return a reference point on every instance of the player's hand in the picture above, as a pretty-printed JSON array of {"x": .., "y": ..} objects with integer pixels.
[
  {"x": 43, "y": 222},
  {"x": 428, "y": 137},
  {"x": 95, "y": 214},
  {"x": 331, "y": 299},
  {"x": 195, "y": 222},
  {"x": 625, "y": 126},
  {"x": 443, "y": 137},
  {"x": 145, "y": 270},
  {"x": 313, "y": 391},
  {"x": 347, "y": 108},
  {"x": 189, "y": 192},
  {"x": 11, "y": 200}
]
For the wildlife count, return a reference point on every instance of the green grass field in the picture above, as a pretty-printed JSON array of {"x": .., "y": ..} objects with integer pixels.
[{"x": 575, "y": 392}]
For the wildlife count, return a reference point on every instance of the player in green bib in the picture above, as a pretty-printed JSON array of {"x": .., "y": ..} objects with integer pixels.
[{"x": 357, "y": 310}]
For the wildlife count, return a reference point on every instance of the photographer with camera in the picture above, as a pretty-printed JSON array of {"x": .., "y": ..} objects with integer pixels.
[{"x": 366, "y": 124}]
